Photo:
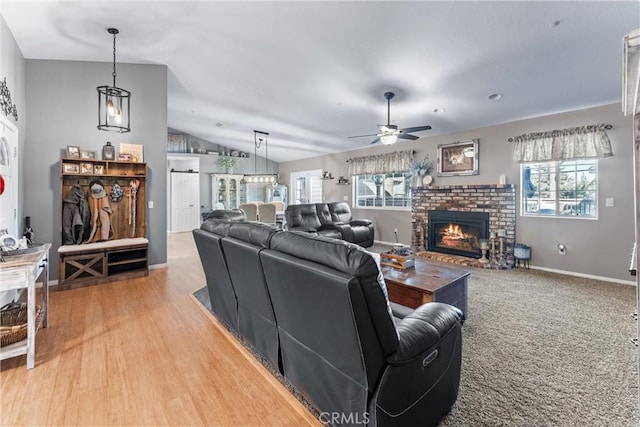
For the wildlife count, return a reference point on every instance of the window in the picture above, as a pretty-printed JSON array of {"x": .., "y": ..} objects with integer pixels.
[
  {"x": 561, "y": 189},
  {"x": 383, "y": 191}
]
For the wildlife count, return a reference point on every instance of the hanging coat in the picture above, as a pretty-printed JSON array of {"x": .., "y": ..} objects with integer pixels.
[
  {"x": 76, "y": 218},
  {"x": 101, "y": 228}
]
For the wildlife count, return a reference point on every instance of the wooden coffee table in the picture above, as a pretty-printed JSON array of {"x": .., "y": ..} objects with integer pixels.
[{"x": 428, "y": 281}]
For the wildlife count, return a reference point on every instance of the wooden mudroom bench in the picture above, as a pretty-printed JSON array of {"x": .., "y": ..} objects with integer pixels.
[{"x": 93, "y": 263}]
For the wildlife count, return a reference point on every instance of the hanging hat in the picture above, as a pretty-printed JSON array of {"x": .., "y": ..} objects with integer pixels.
[
  {"x": 116, "y": 194},
  {"x": 96, "y": 189}
]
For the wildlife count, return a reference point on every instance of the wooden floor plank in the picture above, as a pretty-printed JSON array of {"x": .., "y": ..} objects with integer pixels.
[{"x": 143, "y": 352}]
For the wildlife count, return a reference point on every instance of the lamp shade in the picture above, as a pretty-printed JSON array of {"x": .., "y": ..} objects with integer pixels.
[
  {"x": 389, "y": 139},
  {"x": 113, "y": 109}
]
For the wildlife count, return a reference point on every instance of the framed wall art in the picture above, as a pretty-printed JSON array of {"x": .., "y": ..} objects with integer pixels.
[
  {"x": 458, "y": 158},
  {"x": 86, "y": 154},
  {"x": 73, "y": 152},
  {"x": 135, "y": 151},
  {"x": 71, "y": 168},
  {"x": 86, "y": 168},
  {"x": 98, "y": 169}
]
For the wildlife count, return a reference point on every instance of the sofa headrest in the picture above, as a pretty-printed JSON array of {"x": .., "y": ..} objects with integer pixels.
[
  {"x": 322, "y": 209},
  {"x": 216, "y": 226},
  {"x": 353, "y": 260},
  {"x": 302, "y": 215},
  {"x": 235, "y": 215},
  {"x": 340, "y": 211},
  {"x": 337, "y": 254},
  {"x": 253, "y": 232}
]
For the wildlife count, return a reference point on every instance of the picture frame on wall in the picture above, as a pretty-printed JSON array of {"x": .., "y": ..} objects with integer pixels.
[
  {"x": 86, "y": 154},
  {"x": 73, "y": 152},
  {"x": 86, "y": 168},
  {"x": 135, "y": 151},
  {"x": 458, "y": 158}
]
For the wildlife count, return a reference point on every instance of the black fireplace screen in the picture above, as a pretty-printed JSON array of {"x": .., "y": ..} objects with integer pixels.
[{"x": 457, "y": 233}]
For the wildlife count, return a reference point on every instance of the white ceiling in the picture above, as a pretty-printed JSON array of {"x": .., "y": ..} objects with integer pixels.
[{"x": 313, "y": 73}]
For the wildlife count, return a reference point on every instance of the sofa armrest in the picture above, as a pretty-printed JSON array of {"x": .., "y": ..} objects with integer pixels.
[
  {"x": 421, "y": 382},
  {"x": 360, "y": 222},
  {"x": 422, "y": 329}
]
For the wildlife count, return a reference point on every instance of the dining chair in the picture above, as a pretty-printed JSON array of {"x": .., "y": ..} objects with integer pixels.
[
  {"x": 267, "y": 213},
  {"x": 250, "y": 210}
]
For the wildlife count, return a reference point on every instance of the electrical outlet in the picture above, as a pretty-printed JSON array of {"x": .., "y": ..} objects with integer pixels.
[
  {"x": 150, "y": 204},
  {"x": 610, "y": 202},
  {"x": 562, "y": 249},
  {"x": 395, "y": 230},
  {"x": 345, "y": 198}
]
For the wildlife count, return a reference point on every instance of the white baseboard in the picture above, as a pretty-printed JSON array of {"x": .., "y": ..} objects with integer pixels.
[
  {"x": 583, "y": 275},
  {"x": 158, "y": 266}
]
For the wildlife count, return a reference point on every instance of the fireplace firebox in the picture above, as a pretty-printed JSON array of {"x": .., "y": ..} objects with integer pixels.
[{"x": 457, "y": 232}]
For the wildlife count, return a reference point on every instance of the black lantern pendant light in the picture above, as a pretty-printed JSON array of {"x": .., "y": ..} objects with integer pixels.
[{"x": 113, "y": 102}]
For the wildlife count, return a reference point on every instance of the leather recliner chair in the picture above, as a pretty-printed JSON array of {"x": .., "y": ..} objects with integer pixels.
[
  {"x": 330, "y": 220},
  {"x": 358, "y": 231},
  {"x": 340, "y": 347}
]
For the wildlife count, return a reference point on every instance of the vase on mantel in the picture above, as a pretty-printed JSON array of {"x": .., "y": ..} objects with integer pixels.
[{"x": 416, "y": 181}]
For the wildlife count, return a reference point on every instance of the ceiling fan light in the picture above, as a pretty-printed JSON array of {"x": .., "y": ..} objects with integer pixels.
[{"x": 389, "y": 139}]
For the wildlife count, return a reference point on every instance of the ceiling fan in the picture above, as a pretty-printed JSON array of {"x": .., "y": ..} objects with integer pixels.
[{"x": 389, "y": 133}]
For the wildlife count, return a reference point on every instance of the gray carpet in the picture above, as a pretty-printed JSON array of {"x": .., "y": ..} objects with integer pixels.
[{"x": 541, "y": 349}]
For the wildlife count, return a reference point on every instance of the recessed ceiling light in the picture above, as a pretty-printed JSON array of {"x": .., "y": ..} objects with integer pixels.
[
  {"x": 495, "y": 96},
  {"x": 439, "y": 110}
]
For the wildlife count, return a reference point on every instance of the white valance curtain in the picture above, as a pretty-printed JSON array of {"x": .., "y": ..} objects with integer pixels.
[
  {"x": 584, "y": 142},
  {"x": 397, "y": 161}
]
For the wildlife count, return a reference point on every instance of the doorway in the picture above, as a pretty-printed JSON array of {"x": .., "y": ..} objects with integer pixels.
[
  {"x": 306, "y": 187},
  {"x": 184, "y": 194}
]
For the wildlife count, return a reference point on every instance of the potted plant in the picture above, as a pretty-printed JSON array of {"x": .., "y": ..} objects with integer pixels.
[
  {"x": 421, "y": 170},
  {"x": 228, "y": 163}
]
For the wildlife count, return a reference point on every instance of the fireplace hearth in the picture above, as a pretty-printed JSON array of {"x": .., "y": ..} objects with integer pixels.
[{"x": 457, "y": 232}]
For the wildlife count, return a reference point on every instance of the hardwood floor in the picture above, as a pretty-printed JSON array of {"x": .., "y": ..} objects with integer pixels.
[{"x": 143, "y": 352}]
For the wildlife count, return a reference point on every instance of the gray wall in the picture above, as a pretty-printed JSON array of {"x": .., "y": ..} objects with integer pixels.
[
  {"x": 61, "y": 104},
  {"x": 599, "y": 247},
  {"x": 12, "y": 67}
]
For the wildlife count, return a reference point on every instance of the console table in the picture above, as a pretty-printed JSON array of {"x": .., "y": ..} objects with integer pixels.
[
  {"x": 429, "y": 281},
  {"x": 19, "y": 272}
]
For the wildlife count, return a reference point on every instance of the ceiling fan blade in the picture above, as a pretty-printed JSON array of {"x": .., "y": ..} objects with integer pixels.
[
  {"x": 375, "y": 140},
  {"x": 416, "y": 129},
  {"x": 360, "y": 136},
  {"x": 407, "y": 136}
]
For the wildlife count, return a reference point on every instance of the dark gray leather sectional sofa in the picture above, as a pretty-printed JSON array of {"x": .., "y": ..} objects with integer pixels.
[
  {"x": 330, "y": 220},
  {"x": 317, "y": 310}
]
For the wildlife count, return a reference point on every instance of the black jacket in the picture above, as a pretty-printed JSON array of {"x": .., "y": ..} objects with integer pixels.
[{"x": 76, "y": 217}]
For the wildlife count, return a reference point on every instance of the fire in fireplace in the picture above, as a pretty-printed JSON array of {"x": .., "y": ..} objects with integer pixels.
[{"x": 456, "y": 232}]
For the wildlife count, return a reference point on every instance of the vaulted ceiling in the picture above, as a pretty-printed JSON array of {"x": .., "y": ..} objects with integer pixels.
[{"x": 313, "y": 73}]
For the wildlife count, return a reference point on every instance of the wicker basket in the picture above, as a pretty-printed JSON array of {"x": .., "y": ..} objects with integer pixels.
[
  {"x": 13, "y": 322},
  {"x": 14, "y": 313}
]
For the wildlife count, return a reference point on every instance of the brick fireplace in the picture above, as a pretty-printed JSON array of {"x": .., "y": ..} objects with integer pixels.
[{"x": 498, "y": 201}]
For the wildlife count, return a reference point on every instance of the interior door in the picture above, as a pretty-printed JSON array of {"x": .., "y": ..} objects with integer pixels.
[
  {"x": 185, "y": 201},
  {"x": 8, "y": 177},
  {"x": 306, "y": 187}
]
